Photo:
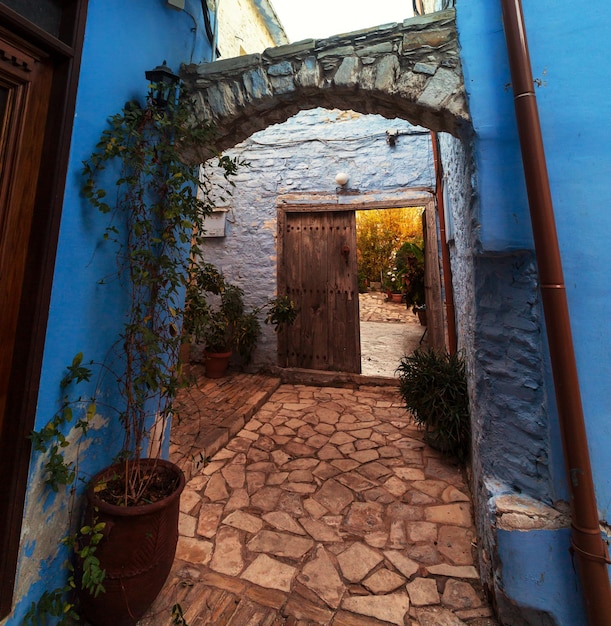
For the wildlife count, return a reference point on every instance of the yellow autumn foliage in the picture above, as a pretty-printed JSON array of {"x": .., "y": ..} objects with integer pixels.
[{"x": 380, "y": 233}]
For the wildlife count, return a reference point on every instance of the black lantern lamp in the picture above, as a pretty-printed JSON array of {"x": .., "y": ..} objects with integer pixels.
[{"x": 164, "y": 83}]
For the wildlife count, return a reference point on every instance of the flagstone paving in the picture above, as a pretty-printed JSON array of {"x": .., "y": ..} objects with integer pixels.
[{"x": 326, "y": 508}]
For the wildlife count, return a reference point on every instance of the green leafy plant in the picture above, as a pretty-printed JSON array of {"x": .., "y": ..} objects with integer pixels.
[
  {"x": 434, "y": 388},
  {"x": 60, "y": 602},
  {"x": 156, "y": 205},
  {"x": 216, "y": 316},
  {"x": 409, "y": 261},
  {"x": 51, "y": 440},
  {"x": 393, "y": 281},
  {"x": 157, "y": 214}
]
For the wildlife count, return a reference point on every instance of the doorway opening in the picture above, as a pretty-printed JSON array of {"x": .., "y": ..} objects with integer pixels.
[
  {"x": 390, "y": 260},
  {"x": 317, "y": 268}
]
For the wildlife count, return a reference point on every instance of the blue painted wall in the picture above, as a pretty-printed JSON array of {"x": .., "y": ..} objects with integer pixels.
[
  {"x": 567, "y": 44},
  {"x": 566, "y": 51},
  {"x": 122, "y": 41},
  {"x": 534, "y": 578}
]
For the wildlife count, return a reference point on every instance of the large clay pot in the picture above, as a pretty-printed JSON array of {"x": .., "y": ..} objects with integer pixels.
[
  {"x": 216, "y": 363},
  {"x": 137, "y": 551},
  {"x": 421, "y": 313}
]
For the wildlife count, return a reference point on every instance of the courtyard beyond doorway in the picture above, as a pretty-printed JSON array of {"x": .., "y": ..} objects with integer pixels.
[{"x": 389, "y": 330}]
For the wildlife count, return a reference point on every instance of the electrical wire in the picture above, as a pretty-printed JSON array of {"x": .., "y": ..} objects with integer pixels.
[{"x": 371, "y": 138}]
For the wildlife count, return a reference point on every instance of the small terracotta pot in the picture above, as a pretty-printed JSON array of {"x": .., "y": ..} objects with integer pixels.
[{"x": 216, "y": 363}]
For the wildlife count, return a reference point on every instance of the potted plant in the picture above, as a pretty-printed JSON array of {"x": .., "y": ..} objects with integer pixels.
[
  {"x": 393, "y": 285},
  {"x": 434, "y": 388},
  {"x": 215, "y": 315},
  {"x": 157, "y": 223},
  {"x": 409, "y": 261}
]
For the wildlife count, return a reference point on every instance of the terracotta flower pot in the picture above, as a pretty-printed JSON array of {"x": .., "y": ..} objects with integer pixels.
[
  {"x": 137, "y": 551},
  {"x": 216, "y": 363}
]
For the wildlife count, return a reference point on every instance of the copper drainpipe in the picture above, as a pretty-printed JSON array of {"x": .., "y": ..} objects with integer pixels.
[
  {"x": 588, "y": 546},
  {"x": 445, "y": 253}
]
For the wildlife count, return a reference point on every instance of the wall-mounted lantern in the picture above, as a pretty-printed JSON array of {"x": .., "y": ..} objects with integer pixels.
[{"x": 164, "y": 83}]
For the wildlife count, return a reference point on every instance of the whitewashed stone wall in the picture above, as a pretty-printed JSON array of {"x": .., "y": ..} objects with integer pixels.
[{"x": 303, "y": 155}]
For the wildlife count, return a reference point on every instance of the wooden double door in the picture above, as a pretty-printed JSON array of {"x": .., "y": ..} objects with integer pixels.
[{"x": 318, "y": 270}]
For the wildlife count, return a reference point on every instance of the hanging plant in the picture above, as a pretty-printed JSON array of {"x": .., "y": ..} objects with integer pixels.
[{"x": 157, "y": 210}]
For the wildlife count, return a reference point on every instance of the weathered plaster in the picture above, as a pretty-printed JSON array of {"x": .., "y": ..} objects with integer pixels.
[
  {"x": 536, "y": 582},
  {"x": 499, "y": 320},
  {"x": 517, "y": 512},
  {"x": 247, "y": 26},
  {"x": 47, "y": 512}
]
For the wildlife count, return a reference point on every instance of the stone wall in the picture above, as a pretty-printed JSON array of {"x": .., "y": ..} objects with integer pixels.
[
  {"x": 498, "y": 313},
  {"x": 303, "y": 155},
  {"x": 411, "y": 70}
]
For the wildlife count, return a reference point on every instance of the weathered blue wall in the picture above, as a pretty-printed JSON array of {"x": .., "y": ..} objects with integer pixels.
[
  {"x": 512, "y": 393},
  {"x": 122, "y": 41},
  {"x": 303, "y": 155}
]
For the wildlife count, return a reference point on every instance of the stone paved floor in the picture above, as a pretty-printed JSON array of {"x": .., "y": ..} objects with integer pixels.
[
  {"x": 388, "y": 331},
  {"x": 325, "y": 508}
]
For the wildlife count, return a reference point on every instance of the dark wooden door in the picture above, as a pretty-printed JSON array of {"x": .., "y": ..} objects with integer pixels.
[
  {"x": 25, "y": 85},
  {"x": 25, "y": 88},
  {"x": 40, "y": 50},
  {"x": 319, "y": 272}
]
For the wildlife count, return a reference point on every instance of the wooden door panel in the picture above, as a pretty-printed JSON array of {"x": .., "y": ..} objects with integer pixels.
[
  {"x": 39, "y": 66},
  {"x": 343, "y": 314},
  {"x": 25, "y": 81},
  {"x": 321, "y": 278},
  {"x": 25, "y": 85}
]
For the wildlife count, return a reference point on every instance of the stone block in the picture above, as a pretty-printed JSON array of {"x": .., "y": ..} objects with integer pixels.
[
  {"x": 290, "y": 50},
  {"x": 320, "y": 576},
  {"x": 224, "y": 66},
  {"x": 385, "y": 47},
  {"x": 284, "y": 68},
  {"x": 423, "y": 591},
  {"x": 425, "y": 68},
  {"x": 390, "y": 608},
  {"x": 270, "y": 573},
  {"x": 338, "y": 52},
  {"x": 347, "y": 73},
  {"x": 256, "y": 84}
]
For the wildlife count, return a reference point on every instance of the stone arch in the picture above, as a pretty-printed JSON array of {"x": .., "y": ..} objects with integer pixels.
[{"x": 409, "y": 70}]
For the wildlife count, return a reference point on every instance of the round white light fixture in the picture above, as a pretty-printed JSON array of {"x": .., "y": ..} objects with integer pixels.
[{"x": 341, "y": 178}]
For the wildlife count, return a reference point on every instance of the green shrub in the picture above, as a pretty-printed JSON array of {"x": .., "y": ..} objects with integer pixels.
[
  {"x": 434, "y": 388},
  {"x": 409, "y": 261}
]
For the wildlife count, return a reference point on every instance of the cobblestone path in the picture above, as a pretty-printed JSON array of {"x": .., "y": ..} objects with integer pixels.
[{"x": 326, "y": 508}]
